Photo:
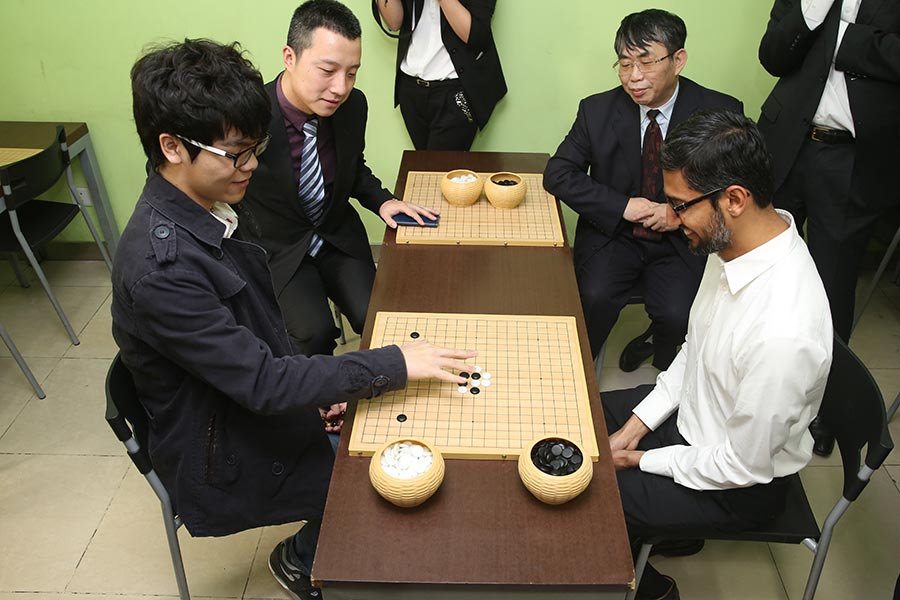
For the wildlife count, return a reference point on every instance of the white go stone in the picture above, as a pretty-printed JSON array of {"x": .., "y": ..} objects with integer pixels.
[
  {"x": 405, "y": 460},
  {"x": 463, "y": 179},
  {"x": 486, "y": 383},
  {"x": 462, "y": 389}
]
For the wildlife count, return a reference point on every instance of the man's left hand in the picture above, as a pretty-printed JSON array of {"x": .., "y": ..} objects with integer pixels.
[
  {"x": 333, "y": 416},
  {"x": 627, "y": 459},
  {"x": 663, "y": 218},
  {"x": 392, "y": 207}
]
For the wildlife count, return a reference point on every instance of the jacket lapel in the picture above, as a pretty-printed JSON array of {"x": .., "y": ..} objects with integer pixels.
[{"x": 628, "y": 133}]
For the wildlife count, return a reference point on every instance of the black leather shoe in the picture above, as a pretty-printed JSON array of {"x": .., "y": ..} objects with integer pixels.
[
  {"x": 824, "y": 440},
  {"x": 636, "y": 352}
]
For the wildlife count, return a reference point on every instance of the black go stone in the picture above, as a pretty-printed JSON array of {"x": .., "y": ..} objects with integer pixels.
[
  {"x": 556, "y": 457},
  {"x": 476, "y": 375},
  {"x": 464, "y": 375},
  {"x": 414, "y": 335},
  {"x": 506, "y": 182},
  {"x": 401, "y": 417},
  {"x": 475, "y": 391}
]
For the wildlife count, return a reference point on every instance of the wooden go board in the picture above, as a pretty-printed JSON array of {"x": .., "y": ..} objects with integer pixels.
[
  {"x": 535, "y": 222},
  {"x": 537, "y": 387},
  {"x": 9, "y": 156}
]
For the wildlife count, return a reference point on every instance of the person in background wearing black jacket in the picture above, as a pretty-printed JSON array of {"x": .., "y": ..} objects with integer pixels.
[
  {"x": 236, "y": 433},
  {"x": 832, "y": 124},
  {"x": 449, "y": 77}
]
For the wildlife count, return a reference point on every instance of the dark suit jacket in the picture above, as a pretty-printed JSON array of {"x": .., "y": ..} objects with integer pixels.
[
  {"x": 870, "y": 58},
  {"x": 477, "y": 63},
  {"x": 597, "y": 167},
  {"x": 271, "y": 214}
]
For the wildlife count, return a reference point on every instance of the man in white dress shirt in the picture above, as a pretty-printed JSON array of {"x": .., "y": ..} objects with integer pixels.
[{"x": 711, "y": 445}]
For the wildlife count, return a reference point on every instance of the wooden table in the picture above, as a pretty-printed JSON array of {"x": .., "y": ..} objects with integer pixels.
[
  {"x": 482, "y": 534},
  {"x": 38, "y": 135}
]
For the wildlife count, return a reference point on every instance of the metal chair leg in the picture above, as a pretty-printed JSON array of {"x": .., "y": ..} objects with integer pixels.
[
  {"x": 878, "y": 273},
  {"x": 340, "y": 323},
  {"x": 87, "y": 219},
  {"x": 893, "y": 408},
  {"x": 21, "y": 362},
  {"x": 14, "y": 220}
]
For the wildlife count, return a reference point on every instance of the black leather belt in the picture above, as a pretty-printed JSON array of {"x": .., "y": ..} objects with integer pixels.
[
  {"x": 426, "y": 83},
  {"x": 830, "y": 136}
]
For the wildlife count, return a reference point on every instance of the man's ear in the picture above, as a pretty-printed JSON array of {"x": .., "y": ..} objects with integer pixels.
[
  {"x": 172, "y": 149},
  {"x": 680, "y": 57},
  {"x": 737, "y": 199},
  {"x": 289, "y": 57}
]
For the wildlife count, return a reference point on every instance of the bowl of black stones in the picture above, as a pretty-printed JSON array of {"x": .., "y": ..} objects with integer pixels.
[
  {"x": 505, "y": 190},
  {"x": 406, "y": 471},
  {"x": 554, "y": 469}
]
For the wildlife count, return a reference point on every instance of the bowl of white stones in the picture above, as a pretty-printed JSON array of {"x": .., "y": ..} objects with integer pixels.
[
  {"x": 461, "y": 187},
  {"x": 406, "y": 471}
]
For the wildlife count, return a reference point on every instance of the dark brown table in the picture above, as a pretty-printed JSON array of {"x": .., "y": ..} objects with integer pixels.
[
  {"x": 482, "y": 534},
  {"x": 27, "y": 134}
]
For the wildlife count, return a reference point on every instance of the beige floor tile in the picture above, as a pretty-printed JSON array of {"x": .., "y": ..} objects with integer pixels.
[
  {"x": 65, "y": 596},
  {"x": 50, "y": 507},
  {"x": 889, "y": 382},
  {"x": 16, "y": 390},
  {"x": 33, "y": 324},
  {"x": 737, "y": 570},
  {"x": 96, "y": 338},
  {"x": 876, "y": 339},
  {"x": 894, "y": 473},
  {"x": 70, "y": 420},
  {"x": 75, "y": 273},
  {"x": 865, "y": 546},
  {"x": 129, "y": 554},
  {"x": 612, "y": 378},
  {"x": 7, "y": 277},
  {"x": 261, "y": 584}
]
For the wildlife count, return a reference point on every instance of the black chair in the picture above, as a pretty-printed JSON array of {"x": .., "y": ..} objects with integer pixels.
[
  {"x": 128, "y": 420},
  {"x": 853, "y": 409},
  {"x": 28, "y": 224}
]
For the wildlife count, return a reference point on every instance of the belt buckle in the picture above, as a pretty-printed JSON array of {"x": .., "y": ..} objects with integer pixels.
[
  {"x": 814, "y": 134},
  {"x": 422, "y": 82}
]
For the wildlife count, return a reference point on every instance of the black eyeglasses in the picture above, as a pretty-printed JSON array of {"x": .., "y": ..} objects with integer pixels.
[
  {"x": 241, "y": 158},
  {"x": 679, "y": 208},
  {"x": 644, "y": 66}
]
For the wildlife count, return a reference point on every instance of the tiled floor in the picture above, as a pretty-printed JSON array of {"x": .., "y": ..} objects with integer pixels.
[{"x": 78, "y": 523}]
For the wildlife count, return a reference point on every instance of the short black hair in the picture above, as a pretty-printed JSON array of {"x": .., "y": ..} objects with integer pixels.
[
  {"x": 199, "y": 89},
  {"x": 717, "y": 148},
  {"x": 639, "y": 30},
  {"x": 313, "y": 14}
]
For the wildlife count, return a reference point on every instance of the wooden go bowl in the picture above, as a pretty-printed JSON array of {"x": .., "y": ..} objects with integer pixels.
[
  {"x": 554, "y": 489},
  {"x": 505, "y": 196},
  {"x": 461, "y": 194},
  {"x": 407, "y": 492}
]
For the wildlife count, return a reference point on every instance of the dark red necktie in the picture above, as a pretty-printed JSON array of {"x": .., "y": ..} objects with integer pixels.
[{"x": 650, "y": 171}]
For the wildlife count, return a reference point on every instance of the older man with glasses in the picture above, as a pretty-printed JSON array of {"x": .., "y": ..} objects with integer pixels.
[{"x": 607, "y": 170}]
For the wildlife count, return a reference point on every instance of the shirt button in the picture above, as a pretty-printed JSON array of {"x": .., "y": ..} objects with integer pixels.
[
  {"x": 218, "y": 253},
  {"x": 277, "y": 468},
  {"x": 162, "y": 232},
  {"x": 381, "y": 381}
]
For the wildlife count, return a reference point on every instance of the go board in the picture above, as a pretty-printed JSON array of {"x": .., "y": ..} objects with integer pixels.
[
  {"x": 9, "y": 156},
  {"x": 535, "y": 386},
  {"x": 535, "y": 222}
]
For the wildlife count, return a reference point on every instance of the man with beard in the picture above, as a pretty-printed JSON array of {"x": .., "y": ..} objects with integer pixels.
[{"x": 712, "y": 444}]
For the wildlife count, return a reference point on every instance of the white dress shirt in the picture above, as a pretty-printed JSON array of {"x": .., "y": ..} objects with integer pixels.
[
  {"x": 751, "y": 374},
  {"x": 427, "y": 58},
  {"x": 225, "y": 215},
  {"x": 834, "y": 105}
]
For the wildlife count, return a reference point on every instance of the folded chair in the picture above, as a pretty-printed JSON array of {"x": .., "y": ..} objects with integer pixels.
[
  {"x": 853, "y": 409},
  {"x": 128, "y": 420},
  {"x": 28, "y": 224}
]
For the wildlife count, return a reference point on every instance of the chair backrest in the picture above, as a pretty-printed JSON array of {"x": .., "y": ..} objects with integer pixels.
[
  {"x": 29, "y": 178},
  {"x": 125, "y": 414},
  {"x": 853, "y": 409}
]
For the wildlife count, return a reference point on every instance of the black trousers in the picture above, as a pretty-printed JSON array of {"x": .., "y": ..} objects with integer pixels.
[
  {"x": 818, "y": 191},
  {"x": 432, "y": 116},
  {"x": 304, "y": 300},
  {"x": 656, "y": 506},
  {"x": 608, "y": 279}
]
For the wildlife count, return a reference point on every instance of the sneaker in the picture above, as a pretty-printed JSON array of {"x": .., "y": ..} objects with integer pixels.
[{"x": 293, "y": 580}]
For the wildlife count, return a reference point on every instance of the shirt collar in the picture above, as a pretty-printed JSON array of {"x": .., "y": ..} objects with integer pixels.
[
  {"x": 225, "y": 215},
  {"x": 176, "y": 206},
  {"x": 742, "y": 270},
  {"x": 292, "y": 114},
  {"x": 666, "y": 109}
]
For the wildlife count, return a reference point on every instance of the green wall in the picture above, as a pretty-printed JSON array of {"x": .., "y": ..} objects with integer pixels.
[{"x": 69, "y": 61}]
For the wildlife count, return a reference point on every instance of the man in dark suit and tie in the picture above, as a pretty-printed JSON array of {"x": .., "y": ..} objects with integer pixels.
[
  {"x": 297, "y": 205},
  {"x": 607, "y": 170},
  {"x": 832, "y": 124}
]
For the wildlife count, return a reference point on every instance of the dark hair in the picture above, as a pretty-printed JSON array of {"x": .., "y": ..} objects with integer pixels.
[
  {"x": 717, "y": 148},
  {"x": 639, "y": 30},
  {"x": 199, "y": 89},
  {"x": 329, "y": 14}
]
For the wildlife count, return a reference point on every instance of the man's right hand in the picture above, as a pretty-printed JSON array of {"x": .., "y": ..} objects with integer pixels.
[
  {"x": 425, "y": 361},
  {"x": 638, "y": 209},
  {"x": 628, "y": 437}
]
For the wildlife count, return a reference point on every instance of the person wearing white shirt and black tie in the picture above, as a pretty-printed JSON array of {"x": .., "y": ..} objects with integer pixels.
[
  {"x": 832, "y": 123},
  {"x": 712, "y": 443}
]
